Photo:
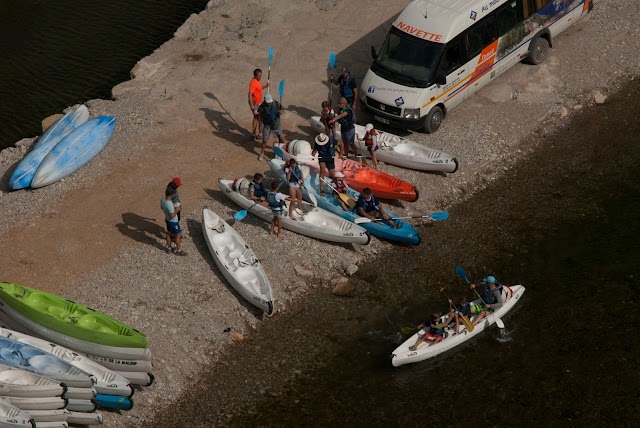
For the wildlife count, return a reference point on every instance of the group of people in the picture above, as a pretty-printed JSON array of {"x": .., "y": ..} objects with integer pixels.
[
  {"x": 433, "y": 331},
  {"x": 266, "y": 114}
]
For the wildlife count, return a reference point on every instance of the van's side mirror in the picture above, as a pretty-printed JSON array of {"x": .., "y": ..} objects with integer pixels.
[
  {"x": 441, "y": 79},
  {"x": 374, "y": 54}
]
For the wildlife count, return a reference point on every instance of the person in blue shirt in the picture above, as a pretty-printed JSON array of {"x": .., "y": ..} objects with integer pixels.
[
  {"x": 346, "y": 119},
  {"x": 295, "y": 179},
  {"x": 432, "y": 330},
  {"x": 463, "y": 308},
  {"x": 368, "y": 206},
  {"x": 174, "y": 231},
  {"x": 257, "y": 191},
  {"x": 348, "y": 87},
  {"x": 324, "y": 147}
]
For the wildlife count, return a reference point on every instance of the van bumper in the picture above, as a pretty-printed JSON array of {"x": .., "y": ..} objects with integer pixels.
[{"x": 395, "y": 121}]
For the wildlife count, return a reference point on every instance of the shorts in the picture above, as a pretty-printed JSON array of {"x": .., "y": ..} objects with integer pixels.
[
  {"x": 173, "y": 227},
  {"x": 431, "y": 336},
  {"x": 349, "y": 136},
  {"x": 278, "y": 213},
  {"x": 266, "y": 132},
  {"x": 476, "y": 308},
  {"x": 329, "y": 163},
  {"x": 294, "y": 185}
]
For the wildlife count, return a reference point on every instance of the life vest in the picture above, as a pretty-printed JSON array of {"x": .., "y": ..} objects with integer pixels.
[
  {"x": 369, "y": 205},
  {"x": 274, "y": 203},
  {"x": 270, "y": 113},
  {"x": 258, "y": 189},
  {"x": 371, "y": 139},
  {"x": 346, "y": 122},
  {"x": 489, "y": 297},
  {"x": 340, "y": 187},
  {"x": 434, "y": 330},
  {"x": 345, "y": 89},
  {"x": 295, "y": 175}
]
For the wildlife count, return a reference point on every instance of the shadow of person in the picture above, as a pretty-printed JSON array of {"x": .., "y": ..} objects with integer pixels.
[
  {"x": 304, "y": 112},
  {"x": 142, "y": 229},
  {"x": 226, "y": 127}
]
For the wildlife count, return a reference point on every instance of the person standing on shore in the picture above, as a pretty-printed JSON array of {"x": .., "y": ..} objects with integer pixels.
[
  {"x": 370, "y": 140},
  {"x": 174, "y": 184},
  {"x": 347, "y": 127},
  {"x": 324, "y": 148},
  {"x": 174, "y": 231},
  {"x": 270, "y": 112},
  {"x": 255, "y": 99},
  {"x": 276, "y": 201},
  {"x": 348, "y": 87}
]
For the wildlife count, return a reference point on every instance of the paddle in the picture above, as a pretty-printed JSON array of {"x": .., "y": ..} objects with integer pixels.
[
  {"x": 467, "y": 323},
  {"x": 281, "y": 91},
  {"x": 442, "y": 215},
  {"x": 270, "y": 60},
  {"x": 240, "y": 215},
  {"x": 332, "y": 64},
  {"x": 346, "y": 199},
  {"x": 461, "y": 273}
]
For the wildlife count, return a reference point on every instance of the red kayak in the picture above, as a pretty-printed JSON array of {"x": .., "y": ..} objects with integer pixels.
[{"x": 356, "y": 175}]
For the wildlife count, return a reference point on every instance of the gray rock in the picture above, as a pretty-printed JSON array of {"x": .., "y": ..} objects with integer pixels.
[
  {"x": 303, "y": 272},
  {"x": 351, "y": 270},
  {"x": 599, "y": 97},
  {"x": 344, "y": 288}
]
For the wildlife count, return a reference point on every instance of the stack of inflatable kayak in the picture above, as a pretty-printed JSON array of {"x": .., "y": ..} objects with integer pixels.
[
  {"x": 399, "y": 232},
  {"x": 356, "y": 175},
  {"x": 114, "y": 353},
  {"x": 63, "y": 148},
  {"x": 314, "y": 222},
  {"x": 399, "y": 151},
  {"x": 405, "y": 354},
  {"x": 237, "y": 262}
]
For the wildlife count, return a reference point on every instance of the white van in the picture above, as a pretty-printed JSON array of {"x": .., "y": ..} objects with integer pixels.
[{"x": 439, "y": 52}]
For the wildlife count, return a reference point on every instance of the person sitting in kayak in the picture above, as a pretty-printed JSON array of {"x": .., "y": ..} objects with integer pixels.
[
  {"x": 433, "y": 330},
  {"x": 368, "y": 206},
  {"x": 370, "y": 139},
  {"x": 491, "y": 297},
  {"x": 257, "y": 191},
  {"x": 295, "y": 179},
  {"x": 463, "y": 308},
  {"x": 276, "y": 201},
  {"x": 341, "y": 187}
]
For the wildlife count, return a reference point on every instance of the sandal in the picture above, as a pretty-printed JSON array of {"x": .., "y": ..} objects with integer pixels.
[{"x": 180, "y": 253}]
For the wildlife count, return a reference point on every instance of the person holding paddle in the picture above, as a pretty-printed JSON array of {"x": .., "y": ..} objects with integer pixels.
[
  {"x": 295, "y": 180},
  {"x": 347, "y": 128},
  {"x": 491, "y": 297},
  {"x": 325, "y": 150},
  {"x": 368, "y": 206},
  {"x": 433, "y": 330},
  {"x": 255, "y": 99},
  {"x": 270, "y": 112},
  {"x": 341, "y": 187}
]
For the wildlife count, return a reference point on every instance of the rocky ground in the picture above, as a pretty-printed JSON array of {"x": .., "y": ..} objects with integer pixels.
[{"x": 97, "y": 236}]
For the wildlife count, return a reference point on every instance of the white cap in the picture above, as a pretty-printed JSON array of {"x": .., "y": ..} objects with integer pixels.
[
  {"x": 338, "y": 175},
  {"x": 369, "y": 127},
  {"x": 268, "y": 98}
]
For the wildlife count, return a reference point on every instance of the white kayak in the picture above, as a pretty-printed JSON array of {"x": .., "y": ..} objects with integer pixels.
[
  {"x": 15, "y": 382},
  {"x": 11, "y": 416},
  {"x": 81, "y": 418},
  {"x": 42, "y": 403},
  {"x": 81, "y": 393},
  {"x": 403, "y": 355},
  {"x": 314, "y": 222},
  {"x": 40, "y": 416},
  {"x": 107, "y": 382},
  {"x": 396, "y": 150},
  {"x": 138, "y": 378},
  {"x": 85, "y": 406},
  {"x": 52, "y": 425},
  {"x": 237, "y": 262},
  {"x": 120, "y": 365}
]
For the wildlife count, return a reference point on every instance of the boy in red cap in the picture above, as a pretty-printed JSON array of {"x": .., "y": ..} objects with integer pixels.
[{"x": 174, "y": 184}]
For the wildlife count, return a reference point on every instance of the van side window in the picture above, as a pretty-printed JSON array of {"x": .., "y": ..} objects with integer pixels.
[
  {"x": 507, "y": 18},
  {"x": 481, "y": 36},
  {"x": 451, "y": 60}
]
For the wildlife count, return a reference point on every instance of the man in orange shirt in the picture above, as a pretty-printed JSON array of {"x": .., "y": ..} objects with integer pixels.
[{"x": 255, "y": 99}]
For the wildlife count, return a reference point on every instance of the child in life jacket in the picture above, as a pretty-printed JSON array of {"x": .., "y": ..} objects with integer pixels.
[
  {"x": 370, "y": 140},
  {"x": 340, "y": 186},
  {"x": 276, "y": 201}
]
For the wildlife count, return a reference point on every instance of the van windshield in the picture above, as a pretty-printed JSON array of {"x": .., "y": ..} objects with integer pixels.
[{"x": 408, "y": 60}]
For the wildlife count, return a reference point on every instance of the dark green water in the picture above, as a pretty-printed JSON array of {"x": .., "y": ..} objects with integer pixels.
[
  {"x": 57, "y": 53},
  {"x": 565, "y": 223}
]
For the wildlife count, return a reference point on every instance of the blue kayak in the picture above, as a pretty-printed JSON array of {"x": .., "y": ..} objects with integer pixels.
[
  {"x": 26, "y": 169},
  {"x": 402, "y": 232},
  {"x": 75, "y": 150},
  {"x": 119, "y": 402}
]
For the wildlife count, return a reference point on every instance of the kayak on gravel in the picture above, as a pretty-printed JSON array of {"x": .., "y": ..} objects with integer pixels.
[
  {"x": 11, "y": 416},
  {"x": 70, "y": 324},
  {"x": 314, "y": 222},
  {"x": 356, "y": 175},
  {"x": 402, "y": 232},
  {"x": 237, "y": 262},
  {"x": 396, "y": 150},
  {"x": 404, "y": 354}
]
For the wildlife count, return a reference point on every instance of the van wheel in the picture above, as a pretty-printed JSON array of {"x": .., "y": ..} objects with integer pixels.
[
  {"x": 433, "y": 120},
  {"x": 538, "y": 51}
]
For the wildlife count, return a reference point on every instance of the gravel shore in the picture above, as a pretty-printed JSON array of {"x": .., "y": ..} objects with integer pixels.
[{"x": 97, "y": 236}]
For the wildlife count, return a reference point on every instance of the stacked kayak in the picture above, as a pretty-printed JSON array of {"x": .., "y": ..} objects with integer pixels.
[
  {"x": 356, "y": 175},
  {"x": 237, "y": 262},
  {"x": 79, "y": 328},
  {"x": 11, "y": 416},
  {"x": 401, "y": 232},
  {"x": 26, "y": 169},
  {"x": 404, "y": 355},
  {"x": 313, "y": 222},
  {"x": 399, "y": 151},
  {"x": 75, "y": 151}
]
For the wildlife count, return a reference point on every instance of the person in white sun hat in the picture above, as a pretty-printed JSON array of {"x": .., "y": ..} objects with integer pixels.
[
  {"x": 325, "y": 149},
  {"x": 370, "y": 140}
]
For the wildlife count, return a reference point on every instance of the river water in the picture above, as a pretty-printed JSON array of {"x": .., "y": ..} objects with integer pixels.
[
  {"x": 565, "y": 222},
  {"x": 58, "y": 53}
]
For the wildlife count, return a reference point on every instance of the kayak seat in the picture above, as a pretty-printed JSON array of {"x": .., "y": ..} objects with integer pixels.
[
  {"x": 98, "y": 324},
  {"x": 46, "y": 305}
]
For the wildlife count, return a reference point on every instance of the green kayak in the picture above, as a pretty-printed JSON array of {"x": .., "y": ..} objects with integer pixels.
[{"x": 70, "y": 318}]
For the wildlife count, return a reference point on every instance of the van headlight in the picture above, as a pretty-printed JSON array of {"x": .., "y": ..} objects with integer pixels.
[{"x": 412, "y": 113}]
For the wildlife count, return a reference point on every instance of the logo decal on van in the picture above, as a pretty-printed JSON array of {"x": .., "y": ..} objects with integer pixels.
[
  {"x": 371, "y": 89},
  {"x": 399, "y": 101},
  {"x": 473, "y": 15}
]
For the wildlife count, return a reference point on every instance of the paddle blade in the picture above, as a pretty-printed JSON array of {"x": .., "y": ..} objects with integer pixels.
[
  {"x": 240, "y": 215},
  {"x": 361, "y": 220},
  {"x": 278, "y": 152},
  {"x": 347, "y": 200},
  {"x": 313, "y": 199},
  {"x": 460, "y": 272},
  {"x": 443, "y": 215},
  {"x": 406, "y": 330},
  {"x": 270, "y": 59},
  {"x": 467, "y": 323},
  {"x": 499, "y": 323},
  {"x": 332, "y": 60},
  {"x": 281, "y": 88}
]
